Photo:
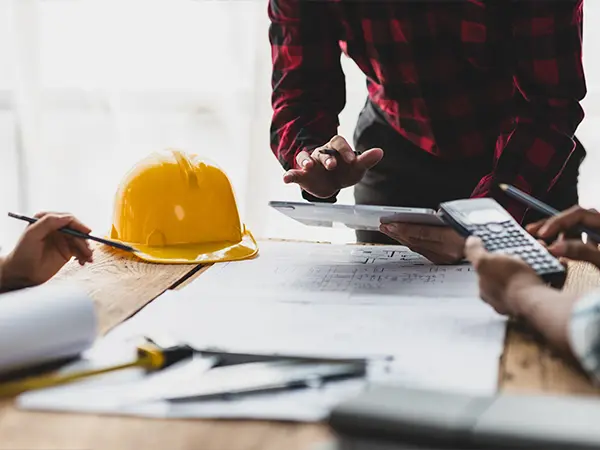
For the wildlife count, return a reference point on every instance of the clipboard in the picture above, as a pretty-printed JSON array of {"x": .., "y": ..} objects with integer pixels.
[{"x": 357, "y": 217}]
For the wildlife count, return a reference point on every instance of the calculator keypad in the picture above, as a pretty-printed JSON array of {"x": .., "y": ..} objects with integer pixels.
[{"x": 507, "y": 237}]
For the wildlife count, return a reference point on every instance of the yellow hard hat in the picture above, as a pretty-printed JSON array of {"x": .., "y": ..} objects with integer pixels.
[{"x": 178, "y": 208}]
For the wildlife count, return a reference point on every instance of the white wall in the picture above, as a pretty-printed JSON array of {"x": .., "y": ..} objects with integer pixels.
[
  {"x": 116, "y": 84},
  {"x": 589, "y": 129}
]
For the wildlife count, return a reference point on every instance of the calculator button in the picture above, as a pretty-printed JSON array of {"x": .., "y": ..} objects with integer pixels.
[{"x": 495, "y": 228}]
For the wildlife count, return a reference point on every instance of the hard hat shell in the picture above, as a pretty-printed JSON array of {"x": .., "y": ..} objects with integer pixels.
[{"x": 179, "y": 208}]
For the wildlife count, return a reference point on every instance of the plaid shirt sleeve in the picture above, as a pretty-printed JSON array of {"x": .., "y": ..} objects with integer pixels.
[
  {"x": 584, "y": 333},
  {"x": 308, "y": 84},
  {"x": 547, "y": 51}
]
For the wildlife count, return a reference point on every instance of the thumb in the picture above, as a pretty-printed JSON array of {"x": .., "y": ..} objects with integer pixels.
[
  {"x": 48, "y": 224},
  {"x": 292, "y": 176},
  {"x": 474, "y": 250},
  {"x": 576, "y": 250},
  {"x": 370, "y": 158}
]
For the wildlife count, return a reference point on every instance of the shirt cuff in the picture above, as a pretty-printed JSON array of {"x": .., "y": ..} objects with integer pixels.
[
  {"x": 313, "y": 199},
  {"x": 584, "y": 334}
]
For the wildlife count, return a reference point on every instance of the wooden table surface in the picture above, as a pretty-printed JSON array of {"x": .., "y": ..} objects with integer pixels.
[{"x": 121, "y": 286}]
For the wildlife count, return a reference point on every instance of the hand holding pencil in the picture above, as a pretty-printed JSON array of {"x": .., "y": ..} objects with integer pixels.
[
  {"x": 331, "y": 167},
  {"x": 43, "y": 250},
  {"x": 575, "y": 218}
]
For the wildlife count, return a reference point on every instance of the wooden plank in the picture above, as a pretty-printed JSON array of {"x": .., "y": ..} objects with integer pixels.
[
  {"x": 31, "y": 430},
  {"x": 121, "y": 284}
]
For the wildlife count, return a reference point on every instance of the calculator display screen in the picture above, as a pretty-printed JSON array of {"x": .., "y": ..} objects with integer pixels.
[{"x": 483, "y": 216}]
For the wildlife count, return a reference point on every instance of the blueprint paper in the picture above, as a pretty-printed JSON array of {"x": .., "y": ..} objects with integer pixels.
[{"x": 420, "y": 324}]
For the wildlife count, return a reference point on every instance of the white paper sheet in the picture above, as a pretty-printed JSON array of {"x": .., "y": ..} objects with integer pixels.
[
  {"x": 421, "y": 324},
  {"x": 44, "y": 323},
  {"x": 319, "y": 273}
]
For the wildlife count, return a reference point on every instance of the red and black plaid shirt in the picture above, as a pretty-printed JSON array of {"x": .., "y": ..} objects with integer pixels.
[{"x": 453, "y": 77}]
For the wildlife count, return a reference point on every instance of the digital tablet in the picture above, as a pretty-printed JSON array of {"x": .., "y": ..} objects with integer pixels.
[{"x": 357, "y": 217}]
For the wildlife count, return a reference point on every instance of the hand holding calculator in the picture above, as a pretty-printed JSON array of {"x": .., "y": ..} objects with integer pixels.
[{"x": 500, "y": 233}]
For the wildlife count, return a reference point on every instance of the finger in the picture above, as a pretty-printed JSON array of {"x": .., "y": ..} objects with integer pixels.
[
  {"x": 589, "y": 240},
  {"x": 441, "y": 252},
  {"x": 303, "y": 160},
  {"x": 576, "y": 250},
  {"x": 325, "y": 159},
  {"x": 499, "y": 307},
  {"x": 48, "y": 224},
  {"x": 42, "y": 214},
  {"x": 403, "y": 233},
  {"x": 474, "y": 250},
  {"x": 370, "y": 158},
  {"x": 294, "y": 176},
  {"x": 425, "y": 233},
  {"x": 76, "y": 252},
  {"x": 81, "y": 248},
  {"x": 343, "y": 148},
  {"x": 76, "y": 247},
  {"x": 390, "y": 231},
  {"x": 403, "y": 230},
  {"x": 432, "y": 255},
  {"x": 564, "y": 262},
  {"x": 61, "y": 245},
  {"x": 534, "y": 227},
  {"x": 568, "y": 219},
  {"x": 77, "y": 225}
]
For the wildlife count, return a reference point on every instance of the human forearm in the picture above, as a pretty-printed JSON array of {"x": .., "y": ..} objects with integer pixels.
[
  {"x": 2, "y": 284},
  {"x": 548, "y": 311},
  {"x": 308, "y": 85},
  {"x": 10, "y": 278}
]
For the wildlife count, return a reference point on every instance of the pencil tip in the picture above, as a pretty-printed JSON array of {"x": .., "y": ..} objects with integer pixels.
[{"x": 503, "y": 186}]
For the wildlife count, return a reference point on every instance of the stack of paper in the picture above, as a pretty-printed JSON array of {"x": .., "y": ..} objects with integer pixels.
[{"x": 421, "y": 324}]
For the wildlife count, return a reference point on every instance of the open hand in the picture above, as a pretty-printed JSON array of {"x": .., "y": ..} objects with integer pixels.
[
  {"x": 323, "y": 175},
  {"x": 440, "y": 245},
  {"x": 42, "y": 251}
]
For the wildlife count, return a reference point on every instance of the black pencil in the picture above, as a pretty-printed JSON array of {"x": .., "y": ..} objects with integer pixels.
[
  {"x": 78, "y": 234},
  {"x": 543, "y": 208}
]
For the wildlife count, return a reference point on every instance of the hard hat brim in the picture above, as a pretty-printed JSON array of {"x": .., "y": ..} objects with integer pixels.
[{"x": 204, "y": 253}]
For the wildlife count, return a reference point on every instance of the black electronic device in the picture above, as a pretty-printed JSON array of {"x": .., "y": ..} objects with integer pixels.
[{"x": 501, "y": 233}]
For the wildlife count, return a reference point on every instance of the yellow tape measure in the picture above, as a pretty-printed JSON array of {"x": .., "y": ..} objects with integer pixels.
[{"x": 149, "y": 357}]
